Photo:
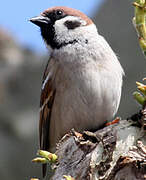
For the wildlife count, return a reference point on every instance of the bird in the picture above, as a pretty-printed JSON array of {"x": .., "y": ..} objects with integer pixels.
[{"x": 82, "y": 81}]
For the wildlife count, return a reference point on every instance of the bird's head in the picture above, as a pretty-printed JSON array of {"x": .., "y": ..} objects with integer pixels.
[{"x": 61, "y": 26}]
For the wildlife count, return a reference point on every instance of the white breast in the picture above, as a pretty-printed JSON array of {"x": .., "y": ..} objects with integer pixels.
[{"x": 88, "y": 90}]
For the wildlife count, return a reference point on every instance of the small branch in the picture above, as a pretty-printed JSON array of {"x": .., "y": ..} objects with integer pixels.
[
  {"x": 45, "y": 157},
  {"x": 139, "y": 22}
]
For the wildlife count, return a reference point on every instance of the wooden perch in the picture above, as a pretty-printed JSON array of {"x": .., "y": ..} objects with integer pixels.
[{"x": 116, "y": 152}]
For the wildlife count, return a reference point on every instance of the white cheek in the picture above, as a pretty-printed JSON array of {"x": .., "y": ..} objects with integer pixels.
[
  {"x": 63, "y": 34},
  {"x": 60, "y": 29}
]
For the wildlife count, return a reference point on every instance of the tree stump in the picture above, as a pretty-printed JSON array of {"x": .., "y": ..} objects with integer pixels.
[{"x": 116, "y": 152}]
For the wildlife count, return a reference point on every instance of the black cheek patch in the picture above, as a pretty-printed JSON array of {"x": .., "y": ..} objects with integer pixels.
[{"x": 72, "y": 24}]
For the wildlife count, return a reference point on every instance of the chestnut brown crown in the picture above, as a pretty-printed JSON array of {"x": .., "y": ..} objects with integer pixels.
[{"x": 68, "y": 11}]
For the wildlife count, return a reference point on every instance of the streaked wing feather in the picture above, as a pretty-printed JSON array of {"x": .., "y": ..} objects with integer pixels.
[{"x": 46, "y": 103}]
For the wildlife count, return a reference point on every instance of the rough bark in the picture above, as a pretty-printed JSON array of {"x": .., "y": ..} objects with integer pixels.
[{"x": 116, "y": 152}]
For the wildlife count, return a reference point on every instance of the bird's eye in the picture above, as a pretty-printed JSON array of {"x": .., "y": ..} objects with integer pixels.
[{"x": 59, "y": 12}]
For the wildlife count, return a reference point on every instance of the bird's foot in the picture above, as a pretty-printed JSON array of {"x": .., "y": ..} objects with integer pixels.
[{"x": 115, "y": 121}]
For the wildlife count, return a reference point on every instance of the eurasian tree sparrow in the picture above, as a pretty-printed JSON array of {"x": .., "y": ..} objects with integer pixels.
[{"x": 82, "y": 82}]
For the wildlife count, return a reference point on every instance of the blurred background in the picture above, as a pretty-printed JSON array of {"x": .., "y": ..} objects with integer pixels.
[{"x": 23, "y": 57}]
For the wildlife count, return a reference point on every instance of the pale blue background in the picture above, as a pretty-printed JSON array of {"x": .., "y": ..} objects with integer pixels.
[{"x": 14, "y": 15}]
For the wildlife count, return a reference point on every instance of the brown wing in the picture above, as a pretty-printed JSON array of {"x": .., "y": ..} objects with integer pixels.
[{"x": 46, "y": 103}]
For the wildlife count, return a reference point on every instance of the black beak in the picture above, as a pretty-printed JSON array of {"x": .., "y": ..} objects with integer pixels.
[{"x": 40, "y": 20}]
